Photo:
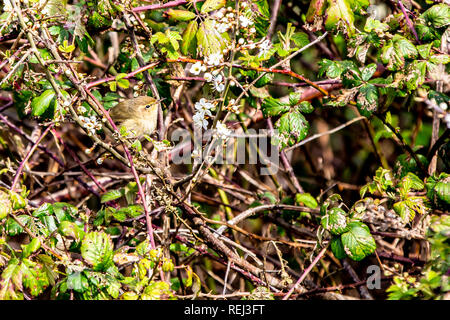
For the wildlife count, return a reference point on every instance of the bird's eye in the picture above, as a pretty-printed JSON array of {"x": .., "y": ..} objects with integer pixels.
[{"x": 147, "y": 106}]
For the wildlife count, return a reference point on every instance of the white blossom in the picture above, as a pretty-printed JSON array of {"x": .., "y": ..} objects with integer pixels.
[
  {"x": 217, "y": 83},
  {"x": 208, "y": 77},
  {"x": 90, "y": 123},
  {"x": 222, "y": 131},
  {"x": 219, "y": 14},
  {"x": 199, "y": 120},
  {"x": 214, "y": 59},
  {"x": 204, "y": 107},
  {"x": 245, "y": 22},
  {"x": 7, "y": 6},
  {"x": 196, "y": 68},
  {"x": 222, "y": 27},
  {"x": 264, "y": 47}
]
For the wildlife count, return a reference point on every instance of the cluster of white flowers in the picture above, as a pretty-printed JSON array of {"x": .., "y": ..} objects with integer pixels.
[
  {"x": 214, "y": 59},
  {"x": 264, "y": 47},
  {"x": 224, "y": 19},
  {"x": 91, "y": 124},
  {"x": 197, "y": 67},
  {"x": 222, "y": 131},
  {"x": 7, "y": 6},
  {"x": 203, "y": 110},
  {"x": 244, "y": 21},
  {"x": 81, "y": 109},
  {"x": 216, "y": 79},
  {"x": 218, "y": 84}
]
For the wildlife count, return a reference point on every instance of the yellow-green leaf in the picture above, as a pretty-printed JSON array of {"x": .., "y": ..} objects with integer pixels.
[{"x": 211, "y": 5}]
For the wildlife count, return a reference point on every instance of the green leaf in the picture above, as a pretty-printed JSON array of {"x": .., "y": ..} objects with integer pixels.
[
  {"x": 438, "y": 15},
  {"x": 339, "y": 16},
  {"x": 273, "y": 107},
  {"x": 123, "y": 83},
  {"x": 112, "y": 195},
  {"x": 305, "y": 107},
  {"x": 368, "y": 71},
  {"x": 396, "y": 51},
  {"x": 17, "y": 201},
  {"x": 333, "y": 69},
  {"x": 405, "y": 47},
  {"x": 210, "y": 5},
  {"x": 157, "y": 290},
  {"x": 440, "y": 58},
  {"x": 41, "y": 103},
  {"x": 411, "y": 181},
  {"x": 375, "y": 25},
  {"x": 160, "y": 38},
  {"x": 264, "y": 80},
  {"x": 64, "y": 211},
  {"x": 292, "y": 127},
  {"x": 337, "y": 248},
  {"x": 209, "y": 40},
  {"x": 300, "y": 39},
  {"x": 358, "y": 243},
  {"x": 358, "y": 5},
  {"x": 335, "y": 221},
  {"x": 189, "y": 41},
  {"x": 11, "y": 281},
  {"x": 316, "y": 10},
  {"x": 118, "y": 215},
  {"x": 77, "y": 281},
  {"x": 424, "y": 50},
  {"x": 408, "y": 208},
  {"x": 70, "y": 229},
  {"x": 132, "y": 211},
  {"x": 173, "y": 37},
  {"x": 5, "y": 205},
  {"x": 307, "y": 199},
  {"x": 33, "y": 246},
  {"x": 97, "y": 250},
  {"x": 442, "y": 190},
  {"x": 180, "y": 15},
  {"x": 13, "y": 228},
  {"x": 34, "y": 277},
  {"x": 367, "y": 99},
  {"x": 294, "y": 98}
]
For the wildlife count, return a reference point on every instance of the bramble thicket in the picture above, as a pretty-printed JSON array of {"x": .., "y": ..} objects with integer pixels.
[{"x": 301, "y": 150}]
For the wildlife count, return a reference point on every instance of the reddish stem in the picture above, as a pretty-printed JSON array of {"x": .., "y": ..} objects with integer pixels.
[
  {"x": 129, "y": 75},
  {"x": 408, "y": 21},
  {"x": 77, "y": 160},
  {"x": 162, "y": 6}
]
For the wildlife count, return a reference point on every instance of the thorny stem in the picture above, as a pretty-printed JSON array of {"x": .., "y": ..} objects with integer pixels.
[{"x": 306, "y": 272}]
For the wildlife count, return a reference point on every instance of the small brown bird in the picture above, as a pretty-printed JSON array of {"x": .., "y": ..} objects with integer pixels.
[{"x": 139, "y": 115}]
